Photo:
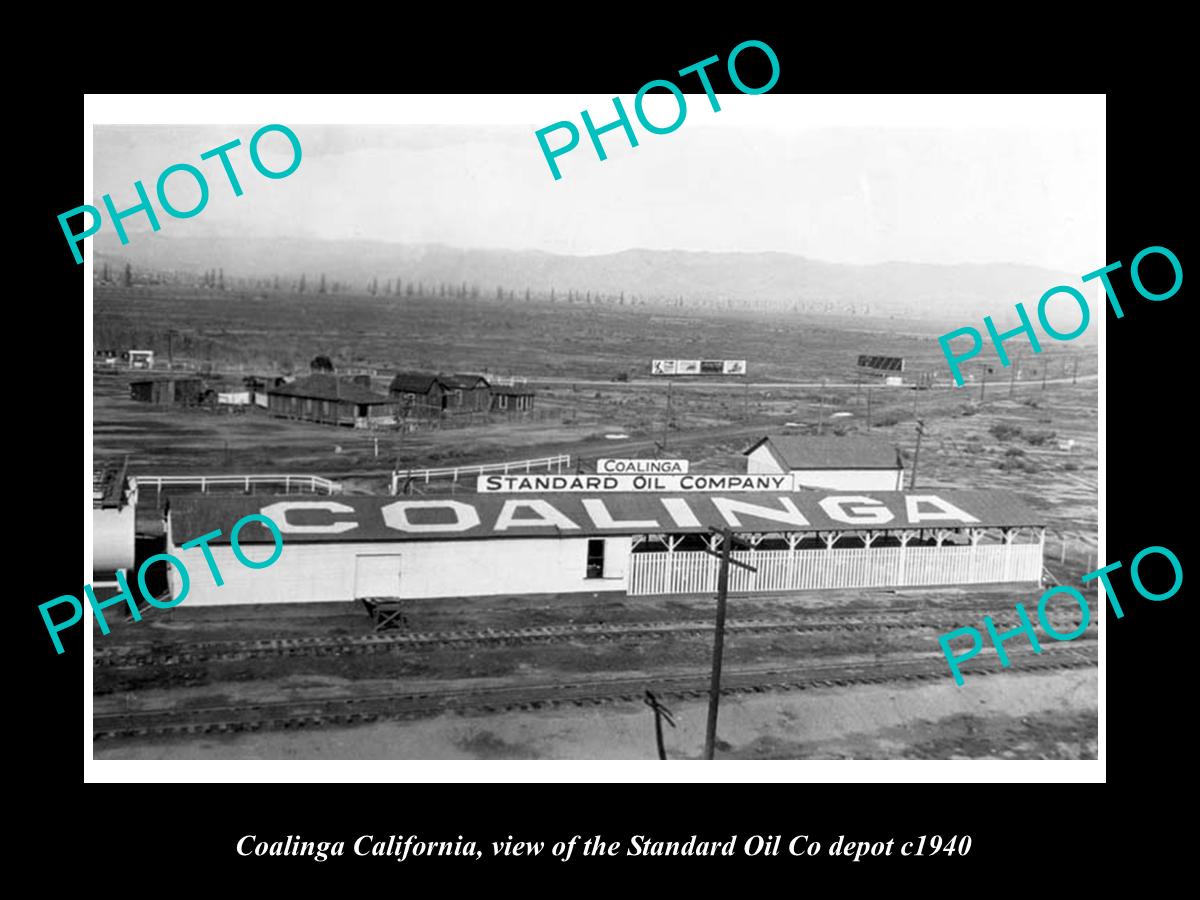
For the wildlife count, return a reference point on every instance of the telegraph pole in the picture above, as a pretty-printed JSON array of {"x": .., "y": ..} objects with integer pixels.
[
  {"x": 1075, "y": 375},
  {"x": 714, "y": 691},
  {"x": 917, "y": 454},
  {"x": 868, "y": 407},
  {"x": 1045, "y": 369},
  {"x": 660, "y": 713},
  {"x": 667, "y": 421},
  {"x": 983, "y": 384}
]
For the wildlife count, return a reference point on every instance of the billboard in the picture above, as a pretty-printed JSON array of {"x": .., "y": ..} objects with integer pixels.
[
  {"x": 697, "y": 367},
  {"x": 882, "y": 363}
]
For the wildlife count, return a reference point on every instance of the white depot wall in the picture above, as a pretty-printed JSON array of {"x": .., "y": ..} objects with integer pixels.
[
  {"x": 514, "y": 566},
  {"x": 316, "y": 573},
  {"x": 851, "y": 479},
  {"x": 761, "y": 462},
  {"x": 113, "y": 539}
]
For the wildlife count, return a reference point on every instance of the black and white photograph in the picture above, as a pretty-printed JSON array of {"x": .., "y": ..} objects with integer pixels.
[{"x": 477, "y": 431}]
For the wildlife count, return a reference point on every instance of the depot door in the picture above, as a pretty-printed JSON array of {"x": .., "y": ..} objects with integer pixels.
[{"x": 377, "y": 575}]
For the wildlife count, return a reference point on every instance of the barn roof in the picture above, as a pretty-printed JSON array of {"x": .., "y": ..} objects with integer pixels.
[
  {"x": 414, "y": 382},
  {"x": 328, "y": 387},
  {"x": 463, "y": 382},
  {"x": 495, "y": 515},
  {"x": 511, "y": 390},
  {"x": 164, "y": 377},
  {"x": 810, "y": 451}
]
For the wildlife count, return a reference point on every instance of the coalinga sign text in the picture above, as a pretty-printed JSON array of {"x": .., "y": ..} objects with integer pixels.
[{"x": 499, "y": 515}]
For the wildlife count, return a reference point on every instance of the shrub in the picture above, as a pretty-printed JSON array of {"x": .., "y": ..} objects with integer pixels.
[
  {"x": 1014, "y": 451},
  {"x": 888, "y": 419},
  {"x": 1002, "y": 431},
  {"x": 1037, "y": 438}
]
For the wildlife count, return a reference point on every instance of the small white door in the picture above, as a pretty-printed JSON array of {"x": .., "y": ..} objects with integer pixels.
[{"x": 377, "y": 575}]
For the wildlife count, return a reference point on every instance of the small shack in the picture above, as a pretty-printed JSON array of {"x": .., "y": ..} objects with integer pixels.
[
  {"x": 178, "y": 390},
  {"x": 331, "y": 400},
  {"x": 512, "y": 398},
  {"x": 465, "y": 393},
  {"x": 140, "y": 359},
  {"x": 418, "y": 394}
]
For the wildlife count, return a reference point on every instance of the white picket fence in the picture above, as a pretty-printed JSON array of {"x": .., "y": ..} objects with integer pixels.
[
  {"x": 311, "y": 484},
  {"x": 807, "y": 570},
  {"x": 548, "y": 463}
]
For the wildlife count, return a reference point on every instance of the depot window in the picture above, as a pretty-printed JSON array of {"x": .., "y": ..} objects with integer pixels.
[{"x": 595, "y": 558}]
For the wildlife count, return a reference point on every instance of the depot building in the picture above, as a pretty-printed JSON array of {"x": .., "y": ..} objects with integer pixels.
[{"x": 348, "y": 548}]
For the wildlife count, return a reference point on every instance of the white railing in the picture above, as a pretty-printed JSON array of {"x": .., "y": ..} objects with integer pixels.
[
  {"x": 806, "y": 570},
  {"x": 548, "y": 463},
  {"x": 313, "y": 484}
]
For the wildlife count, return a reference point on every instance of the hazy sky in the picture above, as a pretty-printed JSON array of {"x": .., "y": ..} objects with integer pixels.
[{"x": 940, "y": 193}]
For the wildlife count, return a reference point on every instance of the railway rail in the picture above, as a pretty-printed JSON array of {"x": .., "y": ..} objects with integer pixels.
[
  {"x": 276, "y": 648},
  {"x": 605, "y": 691}
]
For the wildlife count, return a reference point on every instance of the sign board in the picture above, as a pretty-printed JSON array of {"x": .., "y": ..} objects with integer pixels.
[
  {"x": 882, "y": 363},
  {"x": 643, "y": 484},
  {"x": 697, "y": 367},
  {"x": 642, "y": 466}
]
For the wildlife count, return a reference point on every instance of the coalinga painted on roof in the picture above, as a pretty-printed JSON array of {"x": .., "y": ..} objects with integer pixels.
[
  {"x": 343, "y": 518},
  {"x": 802, "y": 451}
]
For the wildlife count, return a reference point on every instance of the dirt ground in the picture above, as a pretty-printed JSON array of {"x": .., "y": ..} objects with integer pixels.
[{"x": 1012, "y": 716}]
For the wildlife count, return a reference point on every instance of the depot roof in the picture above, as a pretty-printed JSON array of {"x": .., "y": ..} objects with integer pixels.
[
  {"x": 806, "y": 451},
  {"x": 475, "y": 516}
]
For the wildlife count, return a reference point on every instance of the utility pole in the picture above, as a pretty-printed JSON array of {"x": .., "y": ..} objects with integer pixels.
[
  {"x": 983, "y": 384},
  {"x": 1045, "y": 369},
  {"x": 660, "y": 713},
  {"x": 917, "y": 454},
  {"x": 746, "y": 403},
  {"x": 1012, "y": 381},
  {"x": 1075, "y": 375},
  {"x": 868, "y": 407},
  {"x": 714, "y": 692},
  {"x": 667, "y": 420}
]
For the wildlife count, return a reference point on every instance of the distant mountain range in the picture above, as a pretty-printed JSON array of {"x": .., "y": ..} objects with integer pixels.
[{"x": 783, "y": 280}]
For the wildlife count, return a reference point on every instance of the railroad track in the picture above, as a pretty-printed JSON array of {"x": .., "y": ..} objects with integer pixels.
[
  {"x": 603, "y": 691},
  {"x": 276, "y": 648}
]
